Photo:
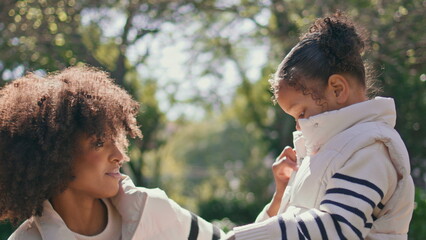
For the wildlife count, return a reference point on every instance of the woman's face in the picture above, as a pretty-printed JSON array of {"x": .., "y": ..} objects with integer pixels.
[{"x": 96, "y": 167}]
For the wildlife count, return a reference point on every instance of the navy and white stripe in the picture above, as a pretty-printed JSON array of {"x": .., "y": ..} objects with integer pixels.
[
  {"x": 320, "y": 225},
  {"x": 353, "y": 210},
  {"x": 216, "y": 233},
  {"x": 345, "y": 212},
  {"x": 194, "y": 232},
  {"x": 345, "y": 191},
  {"x": 360, "y": 182},
  {"x": 303, "y": 231},
  {"x": 338, "y": 218},
  {"x": 282, "y": 227}
]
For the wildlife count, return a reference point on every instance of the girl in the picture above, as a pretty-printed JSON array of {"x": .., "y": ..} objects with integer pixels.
[
  {"x": 62, "y": 143},
  {"x": 352, "y": 174}
]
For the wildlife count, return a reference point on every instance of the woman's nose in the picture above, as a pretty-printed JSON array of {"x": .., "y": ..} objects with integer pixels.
[{"x": 119, "y": 156}]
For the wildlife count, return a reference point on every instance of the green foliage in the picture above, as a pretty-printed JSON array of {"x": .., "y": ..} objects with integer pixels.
[
  {"x": 5, "y": 230},
  {"x": 239, "y": 211},
  {"x": 418, "y": 222},
  {"x": 217, "y": 159}
]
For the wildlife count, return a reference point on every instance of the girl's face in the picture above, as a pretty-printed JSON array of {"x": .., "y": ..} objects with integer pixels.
[
  {"x": 298, "y": 105},
  {"x": 96, "y": 167}
]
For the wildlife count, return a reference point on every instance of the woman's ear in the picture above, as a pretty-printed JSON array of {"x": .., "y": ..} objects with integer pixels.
[{"x": 338, "y": 88}]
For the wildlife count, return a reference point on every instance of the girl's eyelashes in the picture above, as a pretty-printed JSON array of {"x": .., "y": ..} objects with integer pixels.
[{"x": 302, "y": 115}]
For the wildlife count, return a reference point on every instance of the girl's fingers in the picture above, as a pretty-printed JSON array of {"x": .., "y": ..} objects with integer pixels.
[
  {"x": 289, "y": 153},
  {"x": 285, "y": 163}
]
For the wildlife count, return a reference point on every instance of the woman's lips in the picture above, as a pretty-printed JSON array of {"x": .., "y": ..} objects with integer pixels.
[{"x": 114, "y": 174}]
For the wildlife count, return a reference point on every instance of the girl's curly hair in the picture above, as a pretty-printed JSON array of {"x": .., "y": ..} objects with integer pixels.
[
  {"x": 40, "y": 118},
  {"x": 332, "y": 45}
]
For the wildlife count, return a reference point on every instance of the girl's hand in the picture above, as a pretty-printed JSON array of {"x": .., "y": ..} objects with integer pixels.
[{"x": 282, "y": 169}]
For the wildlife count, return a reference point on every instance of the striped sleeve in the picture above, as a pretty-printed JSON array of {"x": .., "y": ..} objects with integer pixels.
[
  {"x": 354, "y": 195},
  {"x": 196, "y": 228},
  {"x": 201, "y": 229}
]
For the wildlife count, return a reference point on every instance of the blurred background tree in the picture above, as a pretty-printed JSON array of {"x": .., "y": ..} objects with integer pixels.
[{"x": 200, "y": 70}]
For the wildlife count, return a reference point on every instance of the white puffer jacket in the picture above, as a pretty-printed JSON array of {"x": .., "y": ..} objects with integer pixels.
[{"x": 353, "y": 180}]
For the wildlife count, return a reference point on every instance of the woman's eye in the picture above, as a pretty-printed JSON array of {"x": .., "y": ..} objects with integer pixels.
[
  {"x": 302, "y": 115},
  {"x": 99, "y": 144}
]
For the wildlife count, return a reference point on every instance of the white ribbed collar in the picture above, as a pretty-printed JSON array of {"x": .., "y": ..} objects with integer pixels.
[{"x": 318, "y": 129}]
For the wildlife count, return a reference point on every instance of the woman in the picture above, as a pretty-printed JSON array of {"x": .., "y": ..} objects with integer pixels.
[{"x": 62, "y": 143}]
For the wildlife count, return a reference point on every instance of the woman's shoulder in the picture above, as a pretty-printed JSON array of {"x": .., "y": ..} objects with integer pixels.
[
  {"x": 131, "y": 198},
  {"x": 26, "y": 231},
  {"x": 128, "y": 188},
  {"x": 154, "y": 193}
]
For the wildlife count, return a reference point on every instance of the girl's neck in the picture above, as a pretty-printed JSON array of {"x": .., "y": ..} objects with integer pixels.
[{"x": 81, "y": 213}]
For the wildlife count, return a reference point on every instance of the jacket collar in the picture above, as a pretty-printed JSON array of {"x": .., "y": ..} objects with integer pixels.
[
  {"x": 319, "y": 129},
  {"x": 130, "y": 203},
  {"x": 51, "y": 225}
]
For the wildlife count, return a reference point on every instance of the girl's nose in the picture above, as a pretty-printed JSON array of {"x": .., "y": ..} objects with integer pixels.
[{"x": 297, "y": 125}]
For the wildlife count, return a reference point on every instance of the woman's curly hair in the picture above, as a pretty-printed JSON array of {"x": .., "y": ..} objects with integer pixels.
[
  {"x": 40, "y": 118},
  {"x": 332, "y": 45}
]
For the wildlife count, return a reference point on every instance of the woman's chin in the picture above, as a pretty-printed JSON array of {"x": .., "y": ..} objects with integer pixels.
[{"x": 111, "y": 192}]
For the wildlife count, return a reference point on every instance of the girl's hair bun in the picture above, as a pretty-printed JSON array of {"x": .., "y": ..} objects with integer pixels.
[
  {"x": 339, "y": 38},
  {"x": 333, "y": 45}
]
